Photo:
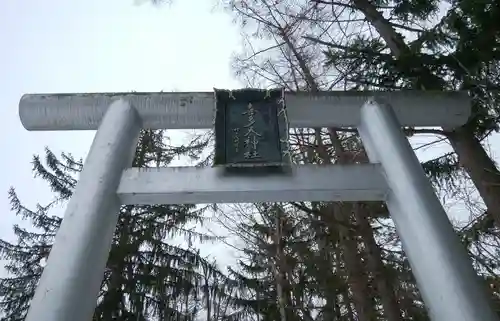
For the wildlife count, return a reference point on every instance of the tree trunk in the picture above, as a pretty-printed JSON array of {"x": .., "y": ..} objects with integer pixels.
[
  {"x": 279, "y": 270},
  {"x": 383, "y": 285},
  {"x": 480, "y": 167},
  {"x": 330, "y": 293},
  {"x": 471, "y": 153},
  {"x": 357, "y": 279},
  {"x": 356, "y": 276},
  {"x": 341, "y": 212},
  {"x": 343, "y": 298}
]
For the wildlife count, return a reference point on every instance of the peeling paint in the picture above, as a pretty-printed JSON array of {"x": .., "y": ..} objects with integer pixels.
[{"x": 194, "y": 110}]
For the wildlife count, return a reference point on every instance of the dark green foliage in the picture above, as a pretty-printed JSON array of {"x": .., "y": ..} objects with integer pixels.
[
  {"x": 24, "y": 259},
  {"x": 408, "y": 9},
  {"x": 303, "y": 251},
  {"x": 460, "y": 52},
  {"x": 443, "y": 170},
  {"x": 146, "y": 278}
]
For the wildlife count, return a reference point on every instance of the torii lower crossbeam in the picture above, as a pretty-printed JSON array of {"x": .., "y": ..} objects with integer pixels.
[{"x": 191, "y": 185}]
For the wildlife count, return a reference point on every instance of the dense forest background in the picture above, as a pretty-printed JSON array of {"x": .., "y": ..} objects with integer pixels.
[{"x": 300, "y": 261}]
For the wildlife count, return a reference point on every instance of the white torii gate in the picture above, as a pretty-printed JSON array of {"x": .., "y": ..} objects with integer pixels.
[{"x": 71, "y": 280}]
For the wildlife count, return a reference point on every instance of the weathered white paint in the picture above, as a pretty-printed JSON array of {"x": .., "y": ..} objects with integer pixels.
[
  {"x": 70, "y": 282},
  {"x": 194, "y": 110},
  {"x": 188, "y": 185},
  {"x": 449, "y": 285}
]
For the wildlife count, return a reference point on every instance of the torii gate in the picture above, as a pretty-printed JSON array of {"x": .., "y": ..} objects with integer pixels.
[{"x": 71, "y": 279}]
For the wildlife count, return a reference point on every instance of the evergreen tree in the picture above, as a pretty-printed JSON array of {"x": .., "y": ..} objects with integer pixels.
[
  {"x": 284, "y": 41},
  {"x": 302, "y": 260},
  {"x": 459, "y": 52},
  {"x": 146, "y": 278},
  {"x": 266, "y": 275}
]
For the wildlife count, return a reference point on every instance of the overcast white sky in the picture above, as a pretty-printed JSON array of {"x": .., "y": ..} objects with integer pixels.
[{"x": 60, "y": 46}]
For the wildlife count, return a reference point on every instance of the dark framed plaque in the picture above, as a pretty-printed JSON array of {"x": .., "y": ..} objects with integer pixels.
[{"x": 251, "y": 128}]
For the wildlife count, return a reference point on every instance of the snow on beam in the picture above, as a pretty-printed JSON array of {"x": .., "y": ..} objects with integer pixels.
[
  {"x": 190, "y": 185},
  {"x": 193, "y": 110}
]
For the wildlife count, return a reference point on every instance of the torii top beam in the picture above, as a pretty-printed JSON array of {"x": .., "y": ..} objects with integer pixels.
[{"x": 195, "y": 110}]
